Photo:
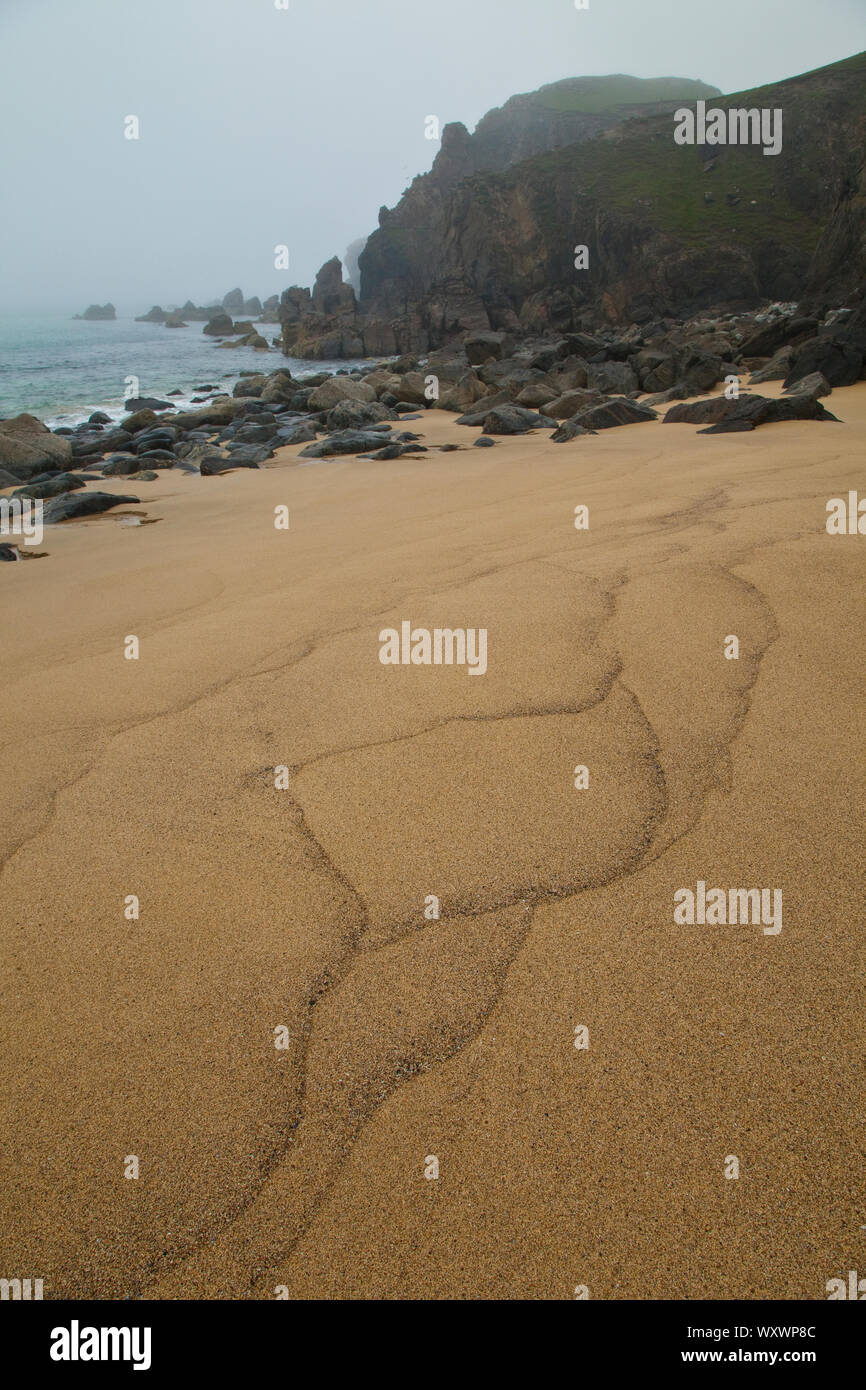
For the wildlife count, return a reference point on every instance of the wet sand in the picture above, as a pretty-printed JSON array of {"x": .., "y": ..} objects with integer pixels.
[{"x": 304, "y": 1168}]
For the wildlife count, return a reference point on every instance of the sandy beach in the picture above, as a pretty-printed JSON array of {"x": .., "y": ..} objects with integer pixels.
[{"x": 409, "y": 1038}]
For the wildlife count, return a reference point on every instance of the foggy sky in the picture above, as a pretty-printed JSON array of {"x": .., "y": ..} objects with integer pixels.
[{"x": 261, "y": 126}]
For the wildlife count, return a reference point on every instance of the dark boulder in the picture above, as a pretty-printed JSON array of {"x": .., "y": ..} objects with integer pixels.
[
  {"x": 146, "y": 403},
  {"x": 76, "y": 504},
  {"x": 619, "y": 410},
  {"x": 345, "y": 442},
  {"x": 117, "y": 465},
  {"x": 751, "y": 411},
  {"x": 704, "y": 412},
  {"x": 767, "y": 339},
  {"x": 515, "y": 419},
  {"x": 52, "y": 487},
  {"x": 815, "y": 385},
  {"x": 570, "y": 429},
  {"x": 839, "y": 361},
  {"x": 219, "y": 326}
]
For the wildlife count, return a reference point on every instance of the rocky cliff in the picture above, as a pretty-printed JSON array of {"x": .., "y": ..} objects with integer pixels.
[{"x": 670, "y": 229}]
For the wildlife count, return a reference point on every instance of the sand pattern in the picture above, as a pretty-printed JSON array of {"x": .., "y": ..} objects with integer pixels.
[{"x": 305, "y": 908}]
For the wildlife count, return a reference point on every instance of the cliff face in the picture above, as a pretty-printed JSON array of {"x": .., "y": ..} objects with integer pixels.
[
  {"x": 578, "y": 108},
  {"x": 671, "y": 229}
]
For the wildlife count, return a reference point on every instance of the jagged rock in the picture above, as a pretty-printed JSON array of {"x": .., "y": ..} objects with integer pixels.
[
  {"x": 570, "y": 429},
  {"x": 657, "y": 371},
  {"x": 535, "y": 394},
  {"x": 97, "y": 312},
  {"x": 704, "y": 412},
  {"x": 778, "y": 367},
  {"x": 27, "y": 447},
  {"x": 479, "y": 347},
  {"x": 673, "y": 393},
  {"x": 331, "y": 295},
  {"x": 233, "y": 302},
  {"x": 619, "y": 410},
  {"x": 154, "y": 315},
  {"x": 563, "y": 407},
  {"x": 782, "y": 332},
  {"x": 77, "y": 504},
  {"x": 838, "y": 361},
  {"x": 514, "y": 419},
  {"x": 814, "y": 385},
  {"x": 700, "y": 371},
  {"x": 751, "y": 411},
  {"x": 613, "y": 378}
]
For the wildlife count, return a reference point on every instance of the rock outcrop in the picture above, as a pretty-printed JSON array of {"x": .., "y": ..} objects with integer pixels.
[
  {"x": 469, "y": 250},
  {"x": 95, "y": 312}
]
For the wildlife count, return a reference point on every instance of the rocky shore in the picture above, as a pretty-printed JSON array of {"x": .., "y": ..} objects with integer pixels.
[{"x": 569, "y": 386}]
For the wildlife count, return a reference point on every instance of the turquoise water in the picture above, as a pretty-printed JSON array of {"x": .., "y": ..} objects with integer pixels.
[{"x": 60, "y": 369}]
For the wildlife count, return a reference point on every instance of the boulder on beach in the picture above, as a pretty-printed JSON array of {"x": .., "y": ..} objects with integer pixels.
[
  {"x": 78, "y": 504},
  {"x": 345, "y": 442},
  {"x": 28, "y": 447},
  {"x": 704, "y": 412},
  {"x": 619, "y": 410},
  {"x": 839, "y": 362},
  {"x": 51, "y": 487},
  {"x": 339, "y": 388},
  {"x": 563, "y": 407},
  {"x": 514, "y": 419},
  {"x": 751, "y": 411}
]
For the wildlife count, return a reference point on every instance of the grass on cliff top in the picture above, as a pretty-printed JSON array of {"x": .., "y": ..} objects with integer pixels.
[
  {"x": 644, "y": 172},
  {"x": 602, "y": 95}
]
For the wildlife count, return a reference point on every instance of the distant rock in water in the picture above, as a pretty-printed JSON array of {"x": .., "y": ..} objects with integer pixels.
[
  {"x": 155, "y": 315},
  {"x": 98, "y": 311}
]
